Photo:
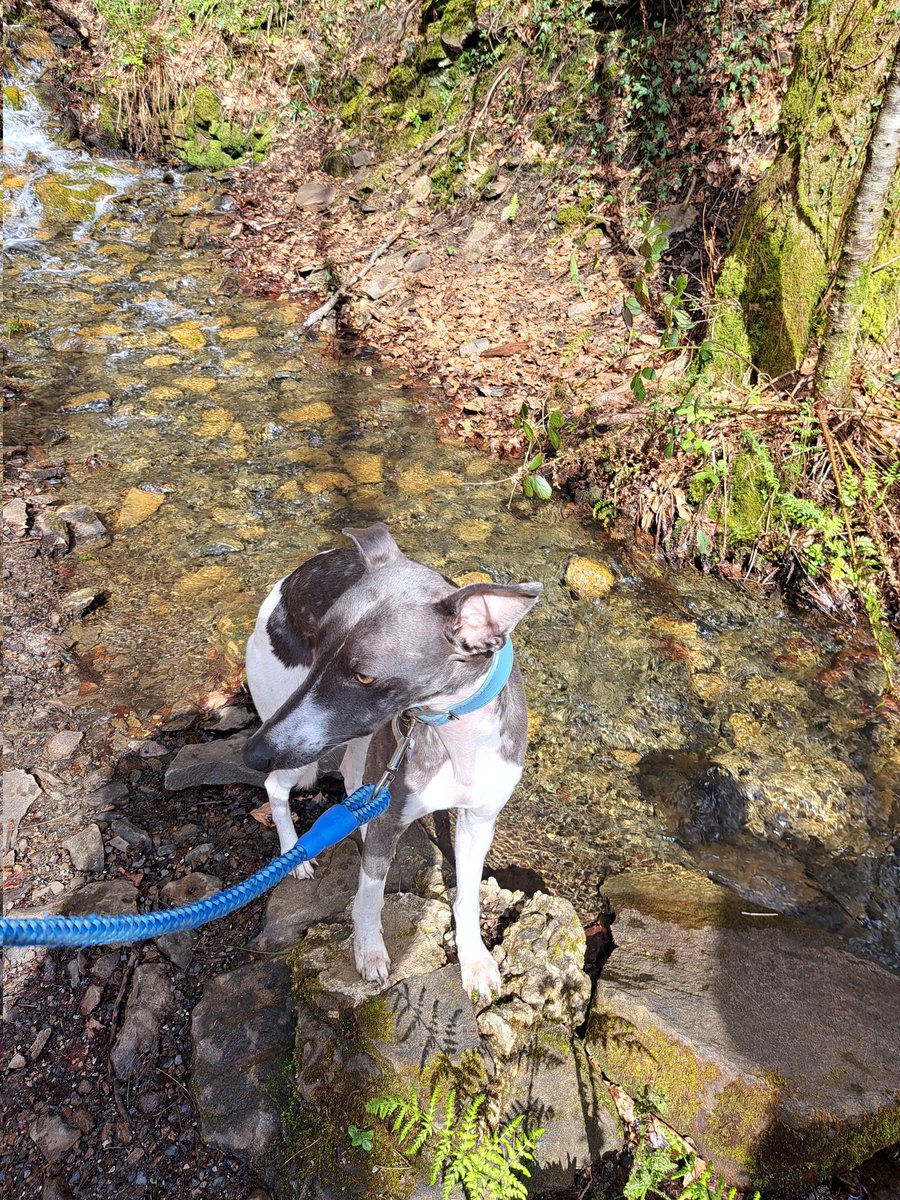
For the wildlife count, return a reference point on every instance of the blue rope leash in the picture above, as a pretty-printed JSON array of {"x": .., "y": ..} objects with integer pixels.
[{"x": 331, "y": 827}]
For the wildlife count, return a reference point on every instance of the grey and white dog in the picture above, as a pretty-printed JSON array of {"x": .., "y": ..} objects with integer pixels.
[{"x": 347, "y": 642}]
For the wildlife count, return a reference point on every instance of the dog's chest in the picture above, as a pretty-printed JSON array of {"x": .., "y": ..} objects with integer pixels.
[{"x": 468, "y": 772}]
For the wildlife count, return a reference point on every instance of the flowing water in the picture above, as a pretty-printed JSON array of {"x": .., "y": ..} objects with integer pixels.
[{"x": 677, "y": 720}]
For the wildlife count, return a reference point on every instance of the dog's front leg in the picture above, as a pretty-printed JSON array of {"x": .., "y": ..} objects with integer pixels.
[
  {"x": 474, "y": 834},
  {"x": 279, "y": 785},
  {"x": 372, "y": 959}
]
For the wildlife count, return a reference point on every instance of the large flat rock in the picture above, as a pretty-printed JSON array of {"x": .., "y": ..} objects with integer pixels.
[
  {"x": 774, "y": 1046},
  {"x": 212, "y": 764},
  {"x": 243, "y": 1035}
]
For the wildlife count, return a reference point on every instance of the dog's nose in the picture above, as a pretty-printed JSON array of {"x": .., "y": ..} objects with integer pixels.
[{"x": 257, "y": 754}]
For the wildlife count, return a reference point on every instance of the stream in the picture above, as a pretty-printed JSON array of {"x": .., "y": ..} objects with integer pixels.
[{"x": 679, "y": 719}]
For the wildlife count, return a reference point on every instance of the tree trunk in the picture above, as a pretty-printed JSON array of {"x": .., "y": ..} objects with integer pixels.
[
  {"x": 832, "y": 383},
  {"x": 787, "y": 245}
]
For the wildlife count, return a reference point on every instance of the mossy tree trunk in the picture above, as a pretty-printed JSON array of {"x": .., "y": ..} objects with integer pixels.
[
  {"x": 832, "y": 383},
  {"x": 787, "y": 244}
]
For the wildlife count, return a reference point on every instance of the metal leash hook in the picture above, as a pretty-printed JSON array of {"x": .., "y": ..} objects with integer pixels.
[{"x": 406, "y": 743}]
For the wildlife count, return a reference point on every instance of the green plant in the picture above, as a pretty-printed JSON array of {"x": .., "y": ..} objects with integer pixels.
[
  {"x": 360, "y": 1139},
  {"x": 660, "y": 1169},
  {"x": 488, "y": 1166},
  {"x": 542, "y": 435}
]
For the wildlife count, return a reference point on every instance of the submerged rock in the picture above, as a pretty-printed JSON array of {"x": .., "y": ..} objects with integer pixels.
[
  {"x": 588, "y": 579},
  {"x": 764, "y": 1040}
]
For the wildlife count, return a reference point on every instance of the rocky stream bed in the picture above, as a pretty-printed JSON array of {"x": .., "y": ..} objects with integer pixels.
[{"x": 719, "y": 772}]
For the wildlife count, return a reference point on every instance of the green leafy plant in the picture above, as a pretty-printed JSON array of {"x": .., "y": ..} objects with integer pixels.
[
  {"x": 488, "y": 1166},
  {"x": 360, "y": 1139},
  {"x": 669, "y": 1171},
  {"x": 542, "y": 435}
]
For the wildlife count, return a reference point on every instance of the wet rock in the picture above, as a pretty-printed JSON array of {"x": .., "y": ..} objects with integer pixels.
[
  {"x": 20, "y": 790},
  {"x": 243, "y": 1033},
  {"x": 150, "y": 998},
  {"x": 108, "y": 897},
  {"x": 212, "y": 764},
  {"x": 712, "y": 1012},
  {"x": 15, "y": 516},
  {"x": 85, "y": 525},
  {"x": 137, "y": 507},
  {"x": 314, "y": 196},
  {"x": 86, "y": 850},
  {"x": 588, "y": 579},
  {"x": 216, "y": 548},
  {"x": 190, "y": 888},
  {"x": 96, "y": 401},
  {"x": 61, "y": 746},
  {"x": 52, "y": 1136}
]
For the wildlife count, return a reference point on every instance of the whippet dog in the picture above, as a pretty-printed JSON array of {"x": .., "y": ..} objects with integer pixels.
[{"x": 355, "y": 637}]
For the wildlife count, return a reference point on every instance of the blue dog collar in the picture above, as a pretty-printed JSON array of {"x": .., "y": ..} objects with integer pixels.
[{"x": 494, "y": 683}]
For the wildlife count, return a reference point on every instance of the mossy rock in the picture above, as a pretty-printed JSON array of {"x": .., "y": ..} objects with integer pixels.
[
  {"x": 205, "y": 153},
  {"x": 401, "y": 82},
  {"x": 336, "y": 162},
  {"x": 457, "y": 24},
  {"x": 13, "y": 96},
  {"x": 206, "y": 106},
  {"x": 573, "y": 216},
  {"x": 231, "y": 137},
  {"x": 66, "y": 202}
]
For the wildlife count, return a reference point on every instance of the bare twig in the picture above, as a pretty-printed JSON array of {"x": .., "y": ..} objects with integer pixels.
[
  {"x": 483, "y": 110},
  {"x": 324, "y": 309}
]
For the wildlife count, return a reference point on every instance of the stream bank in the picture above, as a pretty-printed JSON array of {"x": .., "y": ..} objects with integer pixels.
[{"x": 675, "y": 720}]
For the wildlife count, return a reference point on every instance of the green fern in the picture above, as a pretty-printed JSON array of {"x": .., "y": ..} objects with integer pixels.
[{"x": 486, "y": 1166}]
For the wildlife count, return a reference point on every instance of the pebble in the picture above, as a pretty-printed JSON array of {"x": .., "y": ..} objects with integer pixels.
[
  {"x": 37, "y": 1046},
  {"x": 86, "y": 849},
  {"x": 90, "y": 999},
  {"x": 137, "y": 507},
  {"x": 16, "y": 1063},
  {"x": 62, "y": 745},
  {"x": 52, "y": 1136}
]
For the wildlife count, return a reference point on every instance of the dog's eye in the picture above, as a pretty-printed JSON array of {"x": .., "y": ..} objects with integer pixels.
[{"x": 364, "y": 679}]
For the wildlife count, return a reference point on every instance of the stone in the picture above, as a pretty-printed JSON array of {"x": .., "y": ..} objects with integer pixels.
[
  {"x": 473, "y": 347},
  {"x": 425, "y": 1016},
  {"x": 86, "y": 849},
  {"x": 378, "y": 285},
  {"x": 420, "y": 260},
  {"x": 16, "y": 1063},
  {"x": 107, "y": 897},
  {"x": 85, "y": 525},
  {"x": 78, "y": 602},
  {"x": 678, "y": 218},
  {"x": 20, "y": 790},
  {"x": 138, "y": 838},
  {"x": 15, "y": 516},
  {"x": 362, "y": 158},
  {"x": 137, "y": 507},
  {"x": 414, "y": 932},
  {"x": 420, "y": 188},
  {"x": 588, "y": 579},
  {"x": 764, "y": 1040},
  {"x": 558, "y": 1090},
  {"x": 314, "y": 195},
  {"x": 178, "y": 947},
  {"x": 52, "y": 1136},
  {"x": 96, "y": 401},
  {"x": 231, "y": 717},
  {"x": 37, "y": 1047},
  {"x": 150, "y": 998},
  {"x": 52, "y": 531},
  {"x": 296, "y": 904},
  {"x": 90, "y": 999},
  {"x": 541, "y": 960},
  {"x": 212, "y": 764},
  {"x": 61, "y": 746},
  {"x": 243, "y": 1034},
  {"x": 190, "y": 888},
  {"x": 580, "y": 309}
]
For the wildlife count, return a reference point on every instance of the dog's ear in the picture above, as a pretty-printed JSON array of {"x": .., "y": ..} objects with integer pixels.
[
  {"x": 478, "y": 618},
  {"x": 375, "y": 545}
]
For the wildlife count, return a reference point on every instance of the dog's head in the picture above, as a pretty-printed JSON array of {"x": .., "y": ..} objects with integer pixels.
[{"x": 401, "y": 635}]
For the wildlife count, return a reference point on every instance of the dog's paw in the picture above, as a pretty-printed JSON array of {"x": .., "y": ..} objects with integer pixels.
[
  {"x": 304, "y": 870},
  {"x": 372, "y": 961},
  {"x": 481, "y": 976}
]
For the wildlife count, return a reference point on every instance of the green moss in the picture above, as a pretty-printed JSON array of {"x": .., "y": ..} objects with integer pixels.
[
  {"x": 747, "y": 499},
  {"x": 205, "y": 153},
  {"x": 13, "y": 96},
  {"x": 649, "y": 1062},
  {"x": 573, "y": 216},
  {"x": 206, "y": 106},
  {"x": 401, "y": 82},
  {"x": 66, "y": 203}
]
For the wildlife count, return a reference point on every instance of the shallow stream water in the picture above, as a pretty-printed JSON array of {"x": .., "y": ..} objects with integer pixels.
[{"x": 677, "y": 720}]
